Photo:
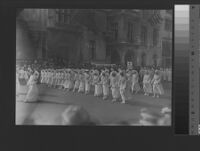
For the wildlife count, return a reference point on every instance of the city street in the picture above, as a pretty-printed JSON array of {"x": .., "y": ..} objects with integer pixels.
[{"x": 52, "y": 103}]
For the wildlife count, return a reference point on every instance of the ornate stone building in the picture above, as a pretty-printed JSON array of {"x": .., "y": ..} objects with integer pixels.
[{"x": 101, "y": 35}]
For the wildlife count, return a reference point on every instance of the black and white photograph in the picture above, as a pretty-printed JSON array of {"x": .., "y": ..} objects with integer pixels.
[{"x": 99, "y": 67}]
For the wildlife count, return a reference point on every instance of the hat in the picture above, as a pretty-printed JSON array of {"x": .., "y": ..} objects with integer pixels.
[
  {"x": 156, "y": 71},
  {"x": 149, "y": 115},
  {"x": 165, "y": 110},
  {"x": 113, "y": 73}
]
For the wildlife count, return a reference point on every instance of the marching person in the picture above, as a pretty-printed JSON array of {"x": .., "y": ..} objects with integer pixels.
[
  {"x": 114, "y": 86},
  {"x": 157, "y": 85},
  {"x": 57, "y": 74},
  {"x": 77, "y": 82},
  {"x": 81, "y": 88},
  {"x": 105, "y": 84},
  {"x": 67, "y": 80},
  {"x": 50, "y": 77},
  {"x": 32, "y": 94},
  {"x": 26, "y": 76},
  {"x": 147, "y": 83},
  {"x": 71, "y": 80},
  {"x": 135, "y": 82},
  {"x": 123, "y": 86},
  {"x": 54, "y": 78},
  {"x": 42, "y": 77},
  {"x": 62, "y": 76},
  {"x": 97, "y": 84},
  {"x": 87, "y": 82}
]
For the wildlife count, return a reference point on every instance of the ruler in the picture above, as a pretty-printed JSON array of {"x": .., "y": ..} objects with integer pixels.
[{"x": 194, "y": 70}]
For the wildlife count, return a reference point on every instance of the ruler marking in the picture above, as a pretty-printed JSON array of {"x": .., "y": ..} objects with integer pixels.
[{"x": 194, "y": 70}]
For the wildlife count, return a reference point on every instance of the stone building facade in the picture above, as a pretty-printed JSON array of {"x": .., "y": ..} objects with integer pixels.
[{"x": 143, "y": 37}]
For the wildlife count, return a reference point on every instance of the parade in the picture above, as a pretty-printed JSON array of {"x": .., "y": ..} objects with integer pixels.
[
  {"x": 117, "y": 84},
  {"x": 115, "y": 64}
]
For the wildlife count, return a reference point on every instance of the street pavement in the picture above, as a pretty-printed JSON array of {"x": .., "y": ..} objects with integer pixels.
[{"x": 52, "y": 102}]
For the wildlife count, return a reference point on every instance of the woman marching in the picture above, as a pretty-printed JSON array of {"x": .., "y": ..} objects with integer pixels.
[
  {"x": 129, "y": 84},
  {"x": 157, "y": 85},
  {"x": 114, "y": 86},
  {"x": 81, "y": 88},
  {"x": 105, "y": 84},
  {"x": 71, "y": 80},
  {"x": 77, "y": 81},
  {"x": 67, "y": 80},
  {"x": 147, "y": 84},
  {"x": 123, "y": 86},
  {"x": 135, "y": 82},
  {"x": 87, "y": 82},
  {"x": 97, "y": 84},
  {"x": 33, "y": 93}
]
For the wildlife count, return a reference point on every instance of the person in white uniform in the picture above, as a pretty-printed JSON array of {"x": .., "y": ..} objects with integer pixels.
[
  {"x": 123, "y": 86},
  {"x": 67, "y": 80},
  {"x": 77, "y": 81},
  {"x": 32, "y": 94},
  {"x": 135, "y": 82},
  {"x": 82, "y": 82},
  {"x": 157, "y": 85},
  {"x": 105, "y": 84},
  {"x": 147, "y": 84},
  {"x": 114, "y": 86},
  {"x": 87, "y": 82},
  {"x": 97, "y": 84}
]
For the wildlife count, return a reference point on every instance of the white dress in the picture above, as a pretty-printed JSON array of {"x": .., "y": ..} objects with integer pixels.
[
  {"x": 98, "y": 86},
  {"x": 147, "y": 84},
  {"x": 87, "y": 82},
  {"x": 32, "y": 94},
  {"x": 157, "y": 86},
  {"x": 123, "y": 87},
  {"x": 114, "y": 87},
  {"x": 105, "y": 85},
  {"x": 135, "y": 82},
  {"x": 77, "y": 82},
  {"x": 82, "y": 83}
]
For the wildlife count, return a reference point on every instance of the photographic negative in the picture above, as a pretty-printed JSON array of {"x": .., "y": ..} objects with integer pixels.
[{"x": 93, "y": 67}]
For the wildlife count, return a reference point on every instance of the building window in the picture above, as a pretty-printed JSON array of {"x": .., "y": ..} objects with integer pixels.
[
  {"x": 60, "y": 14},
  {"x": 143, "y": 36},
  {"x": 155, "y": 37},
  {"x": 114, "y": 27},
  {"x": 168, "y": 25},
  {"x": 67, "y": 16},
  {"x": 92, "y": 47},
  {"x": 63, "y": 16},
  {"x": 130, "y": 32}
]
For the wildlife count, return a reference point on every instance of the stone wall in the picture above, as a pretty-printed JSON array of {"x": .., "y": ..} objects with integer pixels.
[{"x": 24, "y": 46}]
